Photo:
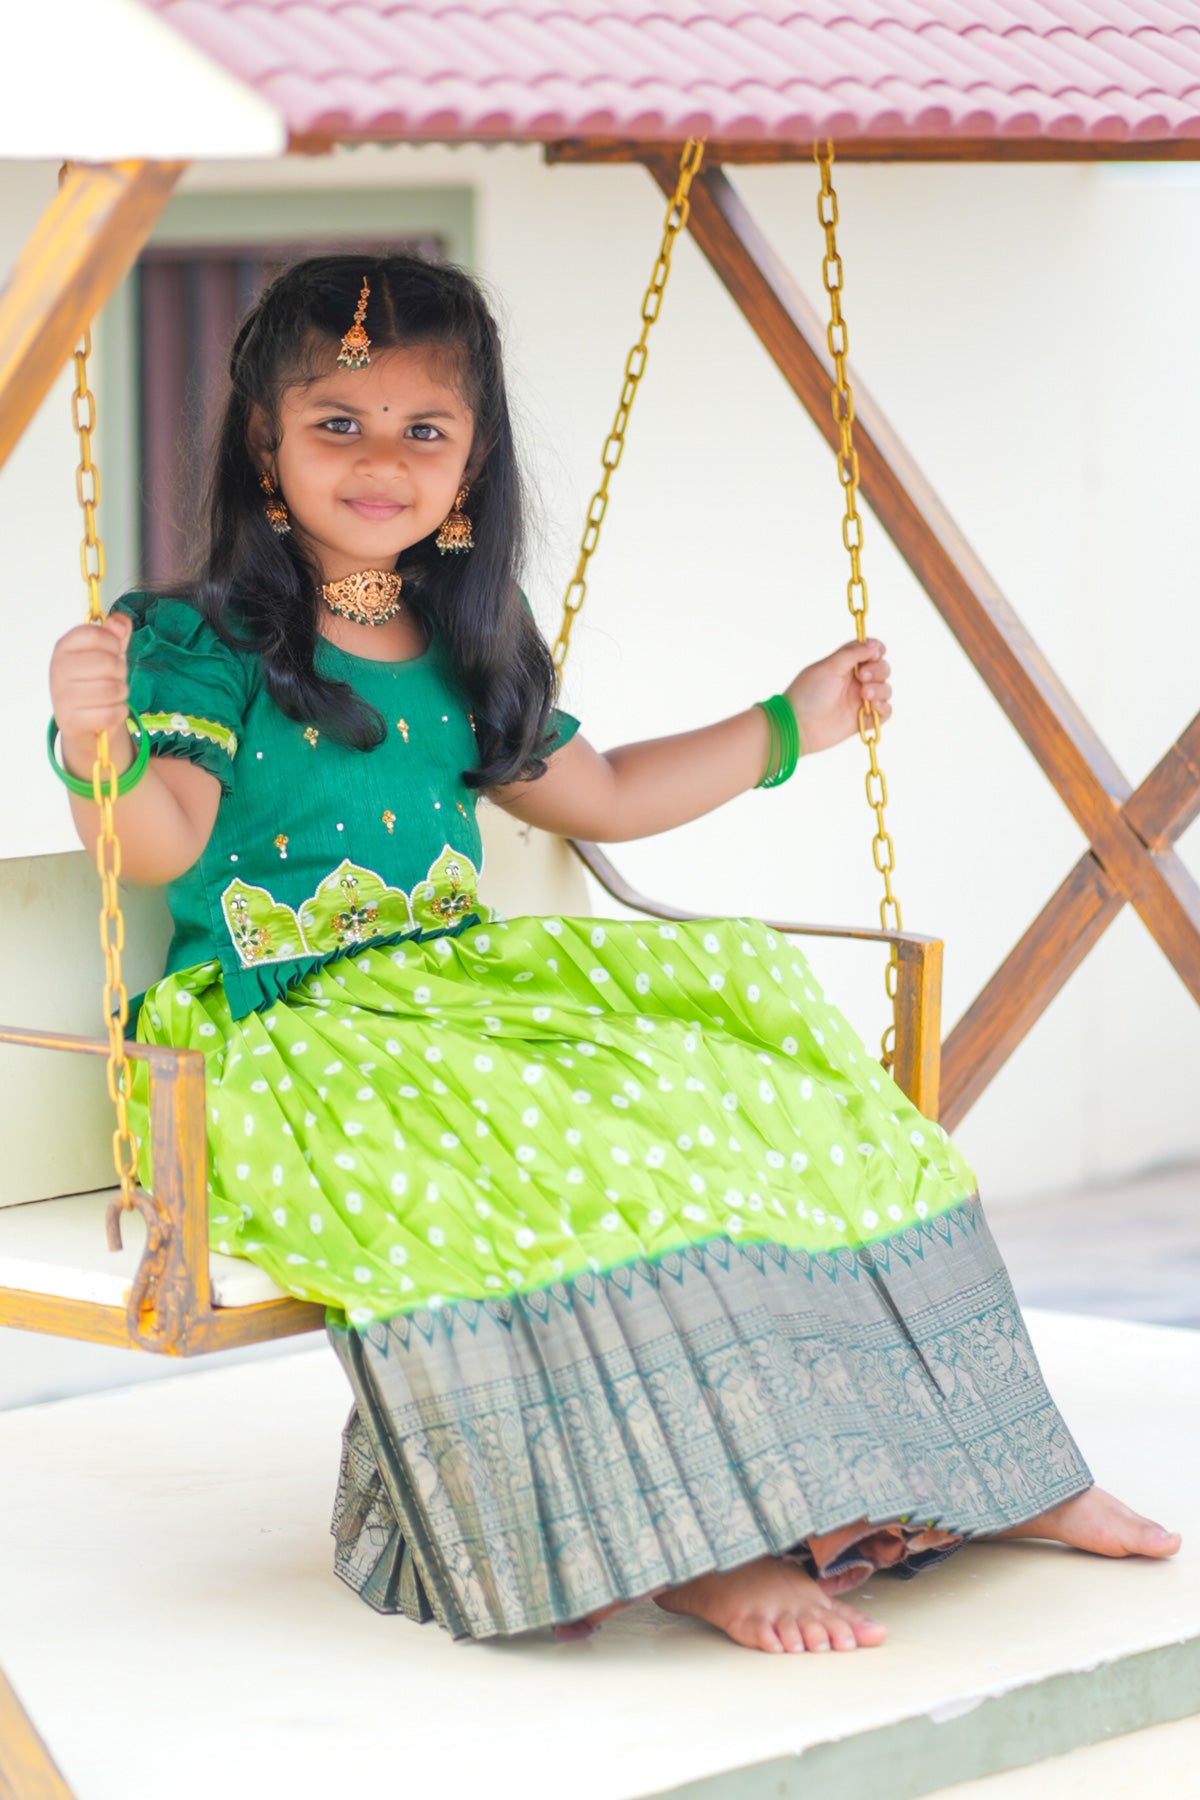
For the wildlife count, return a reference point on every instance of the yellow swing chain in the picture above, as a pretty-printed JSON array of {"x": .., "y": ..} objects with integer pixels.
[
  {"x": 104, "y": 788},
  {"x": 635, "y": 368},
  {"x": 842, "y": 403}
]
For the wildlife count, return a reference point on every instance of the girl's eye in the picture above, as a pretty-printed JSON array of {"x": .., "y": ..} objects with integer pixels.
[
  {"x": 425, "y": 434},
  {"x": 339, "y": 427}
]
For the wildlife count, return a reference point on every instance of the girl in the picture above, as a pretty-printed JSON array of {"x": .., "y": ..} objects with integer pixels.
[{"x": 646, "y": 1279}]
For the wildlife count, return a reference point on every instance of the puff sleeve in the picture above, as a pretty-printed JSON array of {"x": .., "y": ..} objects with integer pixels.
[{"x": 191, "y": 690}]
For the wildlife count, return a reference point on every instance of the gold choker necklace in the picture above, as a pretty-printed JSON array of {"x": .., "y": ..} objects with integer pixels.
[{"x": 369, "y": 598}]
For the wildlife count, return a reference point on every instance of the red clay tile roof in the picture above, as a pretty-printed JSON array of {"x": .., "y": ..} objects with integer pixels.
[{"x": 776, "y": 70}]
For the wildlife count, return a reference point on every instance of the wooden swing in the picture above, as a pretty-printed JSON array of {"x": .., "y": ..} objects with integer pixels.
[{"x": 169, "y": 1293}]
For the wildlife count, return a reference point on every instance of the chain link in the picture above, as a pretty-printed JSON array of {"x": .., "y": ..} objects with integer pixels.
[
  {"x": 104, "y": 788},
  {"x": 842, "y": 403},
  {"x": 635, "y": 368}
]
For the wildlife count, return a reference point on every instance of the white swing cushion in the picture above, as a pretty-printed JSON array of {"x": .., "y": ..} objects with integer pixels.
[{"x": 55, "y": 1115}]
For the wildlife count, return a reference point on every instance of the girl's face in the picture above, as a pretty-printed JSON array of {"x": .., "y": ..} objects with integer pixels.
[{"x": 369, "y": 460}]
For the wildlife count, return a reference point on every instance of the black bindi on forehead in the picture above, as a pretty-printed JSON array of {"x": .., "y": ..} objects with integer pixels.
[{"x": 387, "y": 409}]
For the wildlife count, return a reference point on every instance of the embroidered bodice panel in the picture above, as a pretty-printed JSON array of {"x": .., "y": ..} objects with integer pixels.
[{"x": 317, "y": 847}]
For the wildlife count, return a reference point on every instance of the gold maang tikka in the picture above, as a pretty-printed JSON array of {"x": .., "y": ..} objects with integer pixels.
[
  {"x": 356, "y": 345},
  {"x": 371, "y": 597},
  {"x": 456, "y": 533}
]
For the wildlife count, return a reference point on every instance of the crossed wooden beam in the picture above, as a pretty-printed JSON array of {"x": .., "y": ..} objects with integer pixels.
[{"x": 1130, "y": 832}]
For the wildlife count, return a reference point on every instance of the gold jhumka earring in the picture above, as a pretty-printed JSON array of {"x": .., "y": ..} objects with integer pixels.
[
  {"x": 356, "y": 345},
  {"x": 275, "y": 509},
  {"x": 456, "y": 534}
]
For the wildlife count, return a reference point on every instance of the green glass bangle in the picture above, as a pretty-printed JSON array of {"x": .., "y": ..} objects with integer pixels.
[
  {"x": 785, "y": 740},
  {"x": 129, "y": 779}
]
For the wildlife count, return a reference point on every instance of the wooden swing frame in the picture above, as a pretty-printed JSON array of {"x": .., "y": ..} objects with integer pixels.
[{"x": 90, "y": 235}]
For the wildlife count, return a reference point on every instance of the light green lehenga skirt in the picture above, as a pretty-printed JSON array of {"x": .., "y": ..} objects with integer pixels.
[{"x": 638, "y": 1264}]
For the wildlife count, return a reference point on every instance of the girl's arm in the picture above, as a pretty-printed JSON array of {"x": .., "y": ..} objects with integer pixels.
[
  {"x": 639, "y": 789},
  {"x": 164, "y": 822}
]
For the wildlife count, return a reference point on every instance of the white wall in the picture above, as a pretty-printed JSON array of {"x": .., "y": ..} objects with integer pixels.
[{"x": 1029, "y": 332}]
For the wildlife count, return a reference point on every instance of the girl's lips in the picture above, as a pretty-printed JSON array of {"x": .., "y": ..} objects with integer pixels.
[{"x": 375, "y": 509}]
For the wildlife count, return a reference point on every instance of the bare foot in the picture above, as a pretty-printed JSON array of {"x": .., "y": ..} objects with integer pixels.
[
  {"x": 773, "y": 1605},
  {"x": 1096, "y": 1521},
  {"x": 583, "y": 1628}
]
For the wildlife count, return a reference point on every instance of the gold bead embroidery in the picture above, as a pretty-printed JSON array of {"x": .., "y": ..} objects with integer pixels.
[
  {"x": 389, "y": 819},
  {"x": 281, "y": 845},
  {"x": 311, "y": 735},
  {"x": 462, "y": 809},
  {"x": 402, "y": 728}
]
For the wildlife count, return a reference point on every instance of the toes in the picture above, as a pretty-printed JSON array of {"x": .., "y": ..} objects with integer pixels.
[
  {"x": 841, "y": 1633},
  {"x": 766, "y": 1636},
  {"x": 790, "y": 1635},
  {"x": 816, "y": 1637}
]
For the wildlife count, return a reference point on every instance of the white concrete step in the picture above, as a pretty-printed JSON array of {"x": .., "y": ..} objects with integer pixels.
[{"x": 168, "y": 1604}]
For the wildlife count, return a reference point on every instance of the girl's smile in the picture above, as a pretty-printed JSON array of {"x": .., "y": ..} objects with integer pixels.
[{"x": 369, "y": 460}]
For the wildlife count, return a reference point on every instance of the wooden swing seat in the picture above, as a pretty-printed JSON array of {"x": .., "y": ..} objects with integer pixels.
[{"x": 56, "y": 1272}]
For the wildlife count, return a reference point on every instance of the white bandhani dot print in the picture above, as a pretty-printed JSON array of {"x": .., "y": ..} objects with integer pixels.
[
  {"x": 705, "y": 1135},
  {"x": 553, "y": 926},
  {"x": 399, "y": 1183},
  {"x": 696, "y": 1213},
  {"x": 277, "y": 1175},
  {"x": 711, "y": 943},
  {"x": 917, "y": 1138},
  {"x": 183, "y": 998},
  {"x": 344, "y": 1160},
  {"x": 526, "y": 1239},
  {"x": 789, "y": 1046},
  {"x": 436, "y": 1236},
  {"x": 656, "y": 1156},
  {"x": 620, "y": 1155},
  {"x": 640, "y": 982},
  {"x": 316, "y": 1223},
  {"x": 484, "y": 1064},
  {"x": 362, "y": 1276},
  {"x": 248, "y": 1125},
  {"x": 799, "y": 1161},
  {"x": 279, "y": 1215},
  {"x": 299, "y": 1048},
  {"x": 398, "y": 1256},
  {"x": 574, "y": 1175},
  {"x": 365, "y": 1093},
  {"x": 766, "y": 1092},
  {"x": 525, "y": 1153},
  {"x": 866, "y": 1149},
  {"x": 837, "y": 1155},
  {"x": 542, "y": 1014},
  {"x": 333, "y": 1068},
  {"x": 449, "y": 1140},
  {"x": 729, "y": 1102},
  {"x": 610, "y": 1221},
  {"x": 753, "y": 992},
  {"x": 243, "y": 1171},
  {"x": 597, "y": 976},
  {"x": 433, "y": 1192},
  {"x": 619, "y": 1100},
  {"x": 697, "y": 1183},
  {"x": 208, "y": 1029},
  {"x": 776, "y": 1159},
  {"x": 694, "y": 1085},
  {"x": 353, "y": 1128},
  {"x": 895, "y": 1214},
  {"x": 920, "y": 1209},
  {"x": 532, "y": 1073},
  {"x": 479, "y": 941},
  {"x": 683, "y": 1141},
  {"x": 581, "y": 1097},
  {"x": 598, "y": 936},
  {"x": 655, "y": 1216},
  {"x": 806, "y": 1089},
  {"x": 530, "y": 1117},
  {"x": 870, "y": 1220},
  {"x": 716, "y": 981},
  {"x": 432, "y": 1053},
  {"x": 354, "y": 1202},
  {"x": 258, "y": 1087},
  {"x": 668, "y": 931},
  {"x": 572, "y": 1135}
]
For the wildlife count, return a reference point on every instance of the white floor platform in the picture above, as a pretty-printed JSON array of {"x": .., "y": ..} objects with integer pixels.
[{"x": 169, "y": 1617}]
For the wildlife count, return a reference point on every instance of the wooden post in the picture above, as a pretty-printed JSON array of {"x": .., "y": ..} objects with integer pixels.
[
  {"x": 27, "y": 1769},
  {"x": 82, "y": 246}
]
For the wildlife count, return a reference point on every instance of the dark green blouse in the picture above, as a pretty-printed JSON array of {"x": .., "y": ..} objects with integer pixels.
[{"x": 317, "y": 847}]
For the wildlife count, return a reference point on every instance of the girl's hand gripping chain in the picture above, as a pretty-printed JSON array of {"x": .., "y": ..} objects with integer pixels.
[
  {"x": 89, "y": 692},
  {"x": 828, "y": 695}
]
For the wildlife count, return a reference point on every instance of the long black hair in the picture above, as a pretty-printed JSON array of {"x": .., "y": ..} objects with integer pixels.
[{"x": 261, "y": 592}]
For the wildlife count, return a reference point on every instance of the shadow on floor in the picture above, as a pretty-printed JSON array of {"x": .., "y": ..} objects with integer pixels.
[{"x": 1127, "y": 1251}]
